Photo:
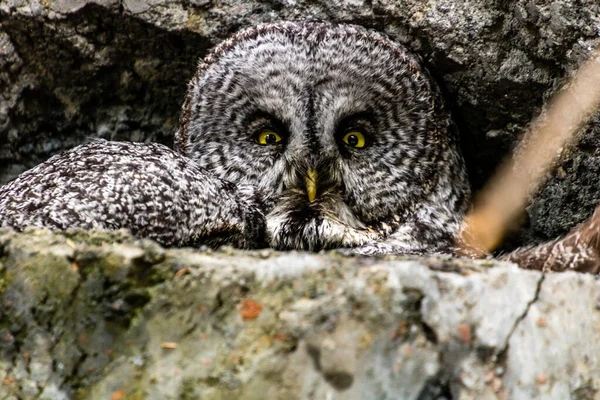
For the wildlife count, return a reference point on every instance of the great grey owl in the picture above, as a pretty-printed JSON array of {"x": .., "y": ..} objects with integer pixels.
[
  {"x": 294, "y": 135},
  {"x": 342, "y": 131}
]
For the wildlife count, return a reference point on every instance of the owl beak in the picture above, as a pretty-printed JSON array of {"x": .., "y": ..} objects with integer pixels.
[{"x": 311, "y": 184}]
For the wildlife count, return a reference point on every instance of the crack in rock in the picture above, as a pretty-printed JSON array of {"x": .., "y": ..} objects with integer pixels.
[{"x": 525, "y": 312}]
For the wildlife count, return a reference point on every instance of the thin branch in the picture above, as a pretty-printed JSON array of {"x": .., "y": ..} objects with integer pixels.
[{"x": 505, "y": 197}]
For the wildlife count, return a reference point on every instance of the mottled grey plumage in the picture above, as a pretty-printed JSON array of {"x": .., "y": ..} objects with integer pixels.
[
  {"x": 312, "y": 82},
  {"x": 147, "y": 188}
]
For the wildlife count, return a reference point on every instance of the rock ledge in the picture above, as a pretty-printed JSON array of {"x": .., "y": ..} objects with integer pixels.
[{"x": 95, "y": 315}]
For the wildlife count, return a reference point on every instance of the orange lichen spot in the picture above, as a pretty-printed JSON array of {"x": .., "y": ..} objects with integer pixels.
[
  {"x": 235, "y": 358},
  {"x": 496, "y": 384},
  {"x": 168, "y": 345},
  {"x": 541, "y": 379},
  {"x": 502, "y": 394},
  {"x": 82, "y": 338},
  {"x": 262, "y": 343},
  {"x": 401, "y": 331},
  {"x": 118, "y": 395},
  {"x": 202, "y": 308},
  {"x": 541, "y": 322},
  {"x": 265, "y": 340},
  {"x": 464, "y": 333},
  {"x": 280, "y": 337},
  {"x": 182, "y": 271},
  {"x": 408, "y": 351},
  {"x": 177, "y": 372},
  {"x": 250, "y": 309},
  {"x": 207, "y": 362},
  {"x": 8, "y": 380},
  {"x": 75, "y": 266}
]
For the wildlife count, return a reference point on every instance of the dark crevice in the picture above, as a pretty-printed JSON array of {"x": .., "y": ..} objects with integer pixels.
[
  {"x": 436, "y": 388},
  {"x": 340, "y": 380},
  {"x": 130, "y": 88},
  {"x": 429, "y": 333},
  {"x": 414, "y": 316}
]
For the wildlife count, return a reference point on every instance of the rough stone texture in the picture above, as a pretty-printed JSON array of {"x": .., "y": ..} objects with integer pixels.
[
  {"x": 74, "y": 69},
  {"x": 98, "y": 316}
]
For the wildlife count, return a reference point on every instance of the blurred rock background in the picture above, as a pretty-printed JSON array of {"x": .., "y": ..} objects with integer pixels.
[{"x": 71, "y": 70}]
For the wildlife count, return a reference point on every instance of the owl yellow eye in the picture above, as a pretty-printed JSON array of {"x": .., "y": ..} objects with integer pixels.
[
  {"x": 354, "y": 139},
  {"x": 268, "y": 137}
]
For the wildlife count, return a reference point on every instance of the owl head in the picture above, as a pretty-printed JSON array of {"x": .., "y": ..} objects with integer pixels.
[{"x": 340, "y": 128}]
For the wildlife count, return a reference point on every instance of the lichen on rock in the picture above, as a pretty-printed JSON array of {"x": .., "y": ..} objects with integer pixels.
[{"x": 88, "y": 315}]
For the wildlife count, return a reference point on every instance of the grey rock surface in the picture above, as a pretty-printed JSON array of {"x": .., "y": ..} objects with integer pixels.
[
  {"x": 104, "y": 316},
  {"x": 75, "y": 69}
]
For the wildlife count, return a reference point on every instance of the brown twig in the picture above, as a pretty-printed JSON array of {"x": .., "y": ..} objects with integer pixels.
[{"x": 505, "y": 197}]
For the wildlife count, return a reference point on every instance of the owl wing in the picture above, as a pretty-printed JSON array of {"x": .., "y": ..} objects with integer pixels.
[
  {"x": 579, "y": 250},
  {"x": 146, "y": 188}
]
